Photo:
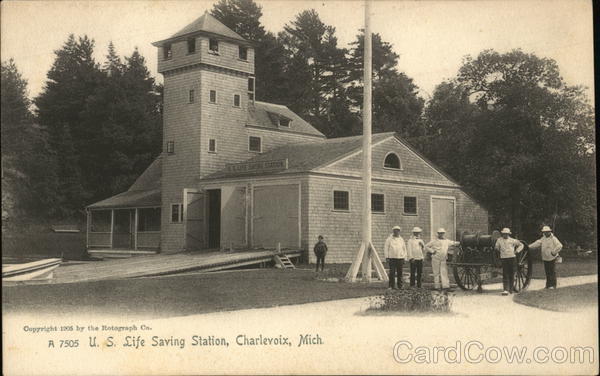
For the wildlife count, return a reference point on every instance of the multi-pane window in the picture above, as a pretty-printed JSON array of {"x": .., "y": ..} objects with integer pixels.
[
  {"x": 341, "y": 200},
  {"x": 176, "y": 213},
  {"x": 410, "y": 205},
  {"x": 167, "y": 51},
  {"x": 213, "y": 45},
  {"x": 191, "y": 45},
  {"x": 171, "y": 147},
  {"x": 243, "y": 53},
  {"x": 213, "y": 96},
  {"x": 377, "y": 203},
  {"x": 236, "y": 100},
  {"x": 255, "y": 144},
  {"x": 212, "y": 145},
  {"x": 191, "y": 96},
  {"x": 251, "y": 88}
]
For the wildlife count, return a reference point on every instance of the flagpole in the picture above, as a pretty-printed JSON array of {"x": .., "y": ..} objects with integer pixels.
[{"x": 366, "y": 161}]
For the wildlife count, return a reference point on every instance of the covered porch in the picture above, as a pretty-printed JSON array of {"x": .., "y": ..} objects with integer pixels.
[{"x": 126, "y": 224}]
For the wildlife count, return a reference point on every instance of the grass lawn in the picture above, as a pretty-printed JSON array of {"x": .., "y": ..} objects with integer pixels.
[
  {"x": 570, "y": 267},
  {"x": 183, "y": 294},
  {"x": 562, "y": 299}
]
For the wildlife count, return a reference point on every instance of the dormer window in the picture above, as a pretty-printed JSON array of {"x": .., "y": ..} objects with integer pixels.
[
  {"x": 392, "y": 161},
  {"x": 243, "y": 53},
  {"x": 284, "y": 122},
  {"x": 167, "y": 51},
  {"x": 213, "y": 45},
  {"x": 191, "y": 45}
]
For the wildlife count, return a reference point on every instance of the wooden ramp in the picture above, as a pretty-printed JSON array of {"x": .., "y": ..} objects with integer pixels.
[{"x": 162, "y": 264}]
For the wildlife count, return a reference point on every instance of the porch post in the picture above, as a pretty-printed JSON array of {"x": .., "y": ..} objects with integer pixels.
[
  {"x": 135, "y": 229},
  {"x": 112, "y": 226}
]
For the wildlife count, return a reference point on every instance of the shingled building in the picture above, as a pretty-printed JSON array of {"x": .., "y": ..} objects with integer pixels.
[{"x": 237, "y": 173}]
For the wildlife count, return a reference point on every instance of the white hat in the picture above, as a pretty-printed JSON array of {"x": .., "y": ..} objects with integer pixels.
[
  {"x": 546, "y": 229},
  {"x": 396, "y": 228},
  {"x": 506, "y": 230},
  {"x": 441, "y": 229},
  {"x": 417, "y": 229}
]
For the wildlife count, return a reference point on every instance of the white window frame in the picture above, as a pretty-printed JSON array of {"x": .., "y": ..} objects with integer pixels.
[
  {"x": 261, "y": 144},
  {"x": 239, "y": 99},
  {"x": 289, "y": 125},
  {"x": 392, "y": 168},
  {"x": 212, "y": 151},
  {"x": 171, "y": 146},
  {"x": 216, "y": 96},
  {"x": 333, "y": 200},
  {"x": 180, "y": 219},
  {"x": 416, "y": 213}
]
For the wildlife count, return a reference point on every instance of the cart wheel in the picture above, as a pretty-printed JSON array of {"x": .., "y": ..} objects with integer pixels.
[
  {"x": 523, "y": 270},
  {"x": 466, "y": 277}
]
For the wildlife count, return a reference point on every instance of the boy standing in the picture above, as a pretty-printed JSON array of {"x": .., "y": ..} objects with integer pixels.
[
  {"x": 395, "y": 254},
  {"x": 320, "y": 251},
  {"x": 439, "y": 255},
  {"x": 550, "y": 247},
  {"x": 415, "y": 255},
  {"x": 508, "y": 248}
]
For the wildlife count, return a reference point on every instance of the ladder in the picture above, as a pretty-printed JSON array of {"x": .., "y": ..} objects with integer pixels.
[{"x": 283, "y": 262}]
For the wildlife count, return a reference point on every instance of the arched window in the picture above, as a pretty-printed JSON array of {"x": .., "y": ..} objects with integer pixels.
[{"x": 392, "y": 161}]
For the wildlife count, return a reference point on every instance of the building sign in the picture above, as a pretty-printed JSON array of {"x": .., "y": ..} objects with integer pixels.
[{"x": 262, "y": 166}]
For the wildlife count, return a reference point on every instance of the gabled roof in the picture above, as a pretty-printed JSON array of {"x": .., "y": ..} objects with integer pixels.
[
  {"x": 304, "y": 157},
  {"x": 205, "y": 24},
  {"x": 144, "y": 192},
  {"x": 266, "y": 115}
]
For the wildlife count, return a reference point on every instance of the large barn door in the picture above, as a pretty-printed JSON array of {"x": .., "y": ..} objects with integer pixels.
[
  {"x": 443, "y": 215},
  {"x": 194, "y": 226},
  {"x": 276, "y": 216}
]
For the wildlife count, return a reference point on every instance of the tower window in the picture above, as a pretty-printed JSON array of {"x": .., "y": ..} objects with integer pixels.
[
  {"x": 176, "y": 213},
  {"x": 213, "y": 96},
  {"x": 167, "y": 51},
  {"x": 213, "y": 45},
  {"x": 243, "y": 53},
  {"x": 171, "y": 147},
  {"x": 191, "y": 45},
  {"x": 212, "y": 145},
  {"x": 236, "y": 100},
  {"x": 255, "y": 144},
  {"x": 392, "y": 161},
  {"x": 251, "y": 88},
  {"x": 191, "y": 96}
]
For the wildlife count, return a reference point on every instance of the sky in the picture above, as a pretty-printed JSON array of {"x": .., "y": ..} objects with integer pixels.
[{"x": 431, "y": 37}]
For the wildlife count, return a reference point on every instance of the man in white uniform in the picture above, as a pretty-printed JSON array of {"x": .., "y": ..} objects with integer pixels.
[
  {"x": 439, "y": 255},
  {"x": 415, "y": 247},
  {"x": 395, "y": 254},
  {"x": 508, "y": 248},
  {"x": 550, "y": 246}
]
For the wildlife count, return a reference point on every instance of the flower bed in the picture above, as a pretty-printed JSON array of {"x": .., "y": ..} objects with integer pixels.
[{"x": 412, "y": 299}]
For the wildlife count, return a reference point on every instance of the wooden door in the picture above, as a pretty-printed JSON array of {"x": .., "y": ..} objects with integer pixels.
[
  {"x": 443, "y": 215},
  {"x": 276, "y": 216},
  {"x": 194, "y": 226}
]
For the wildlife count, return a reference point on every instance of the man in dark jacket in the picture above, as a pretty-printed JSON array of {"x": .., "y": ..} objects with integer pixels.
[{"x": 320, "y": 251}]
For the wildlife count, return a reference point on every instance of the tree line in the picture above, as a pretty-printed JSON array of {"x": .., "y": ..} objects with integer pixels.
[{"x": 506, "y": 127}]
